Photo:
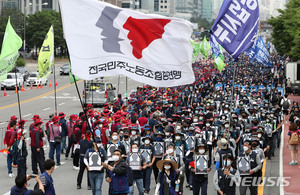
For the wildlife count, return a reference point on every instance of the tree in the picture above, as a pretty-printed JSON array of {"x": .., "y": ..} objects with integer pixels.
[
  {"x": 38, "y": 26},
  {"x": 16, "y": 20},
  {"x": 286, "y": 30}
]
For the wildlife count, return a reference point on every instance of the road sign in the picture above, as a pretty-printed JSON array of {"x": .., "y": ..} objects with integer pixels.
[{"x": 202, "y": 29}]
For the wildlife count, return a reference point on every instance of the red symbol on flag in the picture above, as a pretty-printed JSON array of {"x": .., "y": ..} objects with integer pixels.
[{"x": 142, "y": 32}]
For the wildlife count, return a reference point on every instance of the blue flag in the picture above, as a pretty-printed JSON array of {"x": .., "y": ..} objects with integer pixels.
[
  {"x": 236, "y": 25},
  {"x": 262, "y": 54},
  {"x": 214, "y": 46}
]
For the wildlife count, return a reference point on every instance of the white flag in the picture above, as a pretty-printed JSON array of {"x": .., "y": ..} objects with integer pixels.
[{"x": 104, "y": 40}]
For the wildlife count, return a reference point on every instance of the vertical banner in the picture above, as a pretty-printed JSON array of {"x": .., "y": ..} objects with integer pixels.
[
  {"x": 236, "y": 25},
  {"x": 46, "y": 55}
]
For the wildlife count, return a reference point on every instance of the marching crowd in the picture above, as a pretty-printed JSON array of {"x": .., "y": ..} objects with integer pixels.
[{"x": 177, "y": 134}]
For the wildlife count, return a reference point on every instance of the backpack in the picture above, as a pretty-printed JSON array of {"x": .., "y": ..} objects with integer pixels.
[
  {"x": 294, "y": 139},
  {"x": 286, "y": 105}
]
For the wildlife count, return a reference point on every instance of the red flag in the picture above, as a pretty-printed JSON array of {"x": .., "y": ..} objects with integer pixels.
[
  {"x": 4, "y": 151},
  {"x": 192, "y": 164}
]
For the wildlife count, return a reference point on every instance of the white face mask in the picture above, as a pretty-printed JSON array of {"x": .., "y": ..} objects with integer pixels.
[
  {"x": 201, "y": 151},
  {"x": 170, "y": 151},
  {"x": 226, "y": 125},
  {"x": 177, "y": 137},
  {"x": 167, "y": 167},
  {"x": 195, "y": 120},
  {"x": 207, "y": 124},
  {"x": 147, "y": 141},
  {"x": 225, "y": 111},
  {"x": 259, "y": 135},
  {"x": 114, "y": 137},
  {"x": 115, "y": 158},
  {"x": 167, "y": 133},
  {"x": 245, "y": 148},
  {"x": 133, "y": 132},
  {"x": 99, "y": 145},
  {"x": 135, "y": 150}
]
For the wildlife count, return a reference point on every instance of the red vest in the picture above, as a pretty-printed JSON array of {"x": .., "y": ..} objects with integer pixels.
[{"x": 33, "y": 134}]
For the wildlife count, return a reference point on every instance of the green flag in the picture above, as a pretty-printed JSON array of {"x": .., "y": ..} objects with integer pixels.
[
  {"x": 10, "y": 51},
  {"x": 71, "y": 75},
  {"x": 196, "y": 48},
  {"x": 46, "y": 56},
  {"x": 219, "y": 64},
  {"x": 204, "y": 47}
]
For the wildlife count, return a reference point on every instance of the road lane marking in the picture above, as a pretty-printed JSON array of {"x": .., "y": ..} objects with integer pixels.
[
  {"x": 46, "y": 109},
  {"x": 26, "y": 115},
  {"x": 61, "y": 104},
  {"x": 281, "y": 160},
  {"x": 261, "y": 186},
  {"x": 37, "y": 97}
]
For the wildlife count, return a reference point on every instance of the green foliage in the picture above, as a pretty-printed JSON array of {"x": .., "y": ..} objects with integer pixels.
[
  {"x": 286, "y": 30},
  {"x": 202, "y": 23},
  {"x": 20, "y": 62},
  {"x": 38, "y": 25},
  {"x": 16, "y": 20}
]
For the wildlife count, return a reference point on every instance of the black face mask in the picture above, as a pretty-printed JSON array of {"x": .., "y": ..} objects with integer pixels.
[
  {"x": 254, "y": 145},
  {"x": 126, "y": 136}
]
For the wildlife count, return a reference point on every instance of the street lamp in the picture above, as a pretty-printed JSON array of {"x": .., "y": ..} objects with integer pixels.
[{"x": 24, "y": 42}]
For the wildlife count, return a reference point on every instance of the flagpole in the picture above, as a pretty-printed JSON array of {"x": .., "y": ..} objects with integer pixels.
[
  {"x": 126, "y": 85},
  {"x": 55, "y": 101},
  {"x": 18, "y": 96},
  {"x": 232, "y": 88},
  {"x": 84, "y": 110},
  {"x": 118, "y": 85}
]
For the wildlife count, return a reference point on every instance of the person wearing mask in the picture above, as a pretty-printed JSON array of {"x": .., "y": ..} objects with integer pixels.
[
  {"x": 117, "y": 174},
  {"x": 64, "y": 131},
  {"x": 46, "y": 177},
  {"x": 95, "y": 167},
  {"x": 134, "y": 138},
  {"x": 167, "y": 177},
  {"x": 113, "y": 145},
  {"x": 37, "y": 151},
  {"x": 251, "y": 178},
  {"x": 21, "y": 186},
  {"x": 149, "y": 156},
  {"x": 159, "y": 150},
  {"x": 137, "y": 173},
  {"x": 200, "y": 181},
  {"x": 178, "y": 159},
  {"x": 225, "y": 178},
  {"x": 55, "y": 139},
  {"x": 222, "y": 149},
  {"x": 9, "y": 140},
  {"x": 210, "y": 138},
  {"x": 85, "y": 144}
]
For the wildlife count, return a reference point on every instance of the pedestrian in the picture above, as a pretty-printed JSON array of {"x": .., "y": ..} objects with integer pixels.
[
  {"x": 71, "y": 136},
  {"x": 250, "y": 169},
  {"x": 137, "y": 163},
  {"x": 167, "y": 177},
  {"x": 38, "y": 156},
  {"x": 21, "y": 151},
  {"x": 285, "y": 103},
  {"x": 64, "y": 131},
  {"x": 46, "y": 177},
  {"x": 85, "y": 144},
  {"x": 9, "y": 140},
  {"x": 55, "y": 139},
  {"x": 76, "y": 146},
  {"x": 93, "y": 159},
  {"x": 117, "y": 174},
  {"x": 200, "y": 179},
  {"x": 225, "y": 178},
  {"x": 114, "y": 144},
  {"x": 293, "y": 142},
  {"x": 21, "y": 186},
  {"x": 149, "y": 155}
]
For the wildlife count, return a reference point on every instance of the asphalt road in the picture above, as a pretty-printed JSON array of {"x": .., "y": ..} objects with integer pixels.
[{"x": 41, "y": 101}]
